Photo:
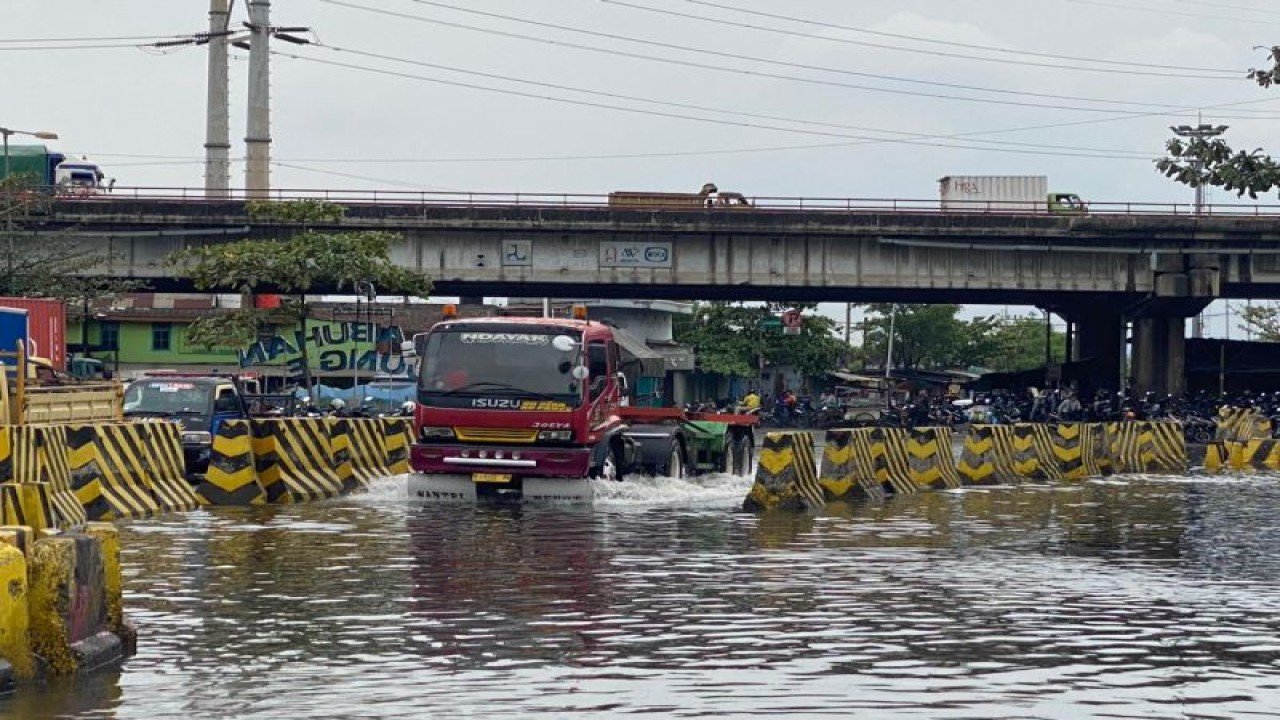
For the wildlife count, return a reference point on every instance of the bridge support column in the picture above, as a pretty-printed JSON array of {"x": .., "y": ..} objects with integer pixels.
[
  {"x": 1160, "y": 354},
  {"x": 1099, "y": 338}
]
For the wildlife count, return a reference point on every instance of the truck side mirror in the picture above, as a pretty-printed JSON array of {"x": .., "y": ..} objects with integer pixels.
[{"x": 622, "y": 383}]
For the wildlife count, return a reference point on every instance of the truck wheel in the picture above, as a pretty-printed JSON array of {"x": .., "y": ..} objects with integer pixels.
[
  {"x": 675, "y": 462},
  {"x": 611, "y": 468},
  {"x": 741, "y": 455}
]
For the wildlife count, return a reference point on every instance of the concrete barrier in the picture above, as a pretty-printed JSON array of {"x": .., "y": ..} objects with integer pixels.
[
  {"x": 39, "y": 454},
  {"x": 931, "y": 461},
  {"x": 786, "y": 476},
  {"x": 293, "y": 459},
  {"x": 15, "y": 611},
  {"x": 1033, "y": 457},
  {"x": 159, "y": 447},
  {"x": 368, "y": 450},
  {"x": 340, "y": 454},
  {"x": 1147, "y": 447},
  {"x": 397, "y": 438},
  {"x": 1242, "y": 425},
  {"x": 109, "y": 473},
  {"x": 232, "y": 476},
  {"x": 846, "y": 472},
  {"x": 987, "y": 456},
  {"x": 68, "y": 603}
]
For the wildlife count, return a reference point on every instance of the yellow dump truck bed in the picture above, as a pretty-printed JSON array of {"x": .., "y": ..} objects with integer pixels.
[{"x": 85, "y": 402}]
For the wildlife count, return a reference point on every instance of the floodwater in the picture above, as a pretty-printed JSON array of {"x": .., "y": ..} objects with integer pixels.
[{"x": 1130, "y": 598}]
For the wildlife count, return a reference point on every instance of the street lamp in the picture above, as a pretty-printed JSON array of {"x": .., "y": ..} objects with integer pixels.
[
  {"x": 369, "y": 292},
  {"x": 1203, "y": 130}
]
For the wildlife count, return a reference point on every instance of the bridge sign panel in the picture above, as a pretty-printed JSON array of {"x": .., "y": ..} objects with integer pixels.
[{"x": 637, "y": 254}]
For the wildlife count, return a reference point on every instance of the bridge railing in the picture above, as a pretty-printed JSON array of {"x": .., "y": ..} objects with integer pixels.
[{"x": 402, "y": 198}]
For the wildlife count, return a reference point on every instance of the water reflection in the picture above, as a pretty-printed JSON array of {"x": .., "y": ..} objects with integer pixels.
[{"x": 1133, "y": 598}]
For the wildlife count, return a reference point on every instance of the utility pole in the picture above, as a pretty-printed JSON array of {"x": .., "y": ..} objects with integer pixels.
[
  {"x": 1200, "y": 131},
  {"x": 217, "y": 143},
  {"x": 257, "y": 138}
]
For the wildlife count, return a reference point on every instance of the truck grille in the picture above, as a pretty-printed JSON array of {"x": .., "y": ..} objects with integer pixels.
[{"x": 497, "y": 435}]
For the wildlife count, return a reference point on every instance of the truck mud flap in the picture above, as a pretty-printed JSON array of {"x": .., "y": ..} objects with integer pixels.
[
  {"x": 441, "y": 488},
  {"x": 558, "y": 491}
]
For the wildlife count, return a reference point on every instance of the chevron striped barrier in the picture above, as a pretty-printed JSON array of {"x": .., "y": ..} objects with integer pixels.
[
  {"x": 128, "y": 470},
  {"x": 397, "y": 437},
  {"x": 1147, "y": 447},
  {"x": 786, "y": 475},
  {"x": 1033, "y": 456},
  {"x": 987, "y": 457},
  {"x": 846, "y": 474},
  {"x": 293, "y": 458},
  {"x": 1100, "y": 448},
  {"x": 368, "y": 449},
  {"x": 160, "y": 452},
  {"x": 1263, "y": 455},
  {"x": 340, "y": 453},
  {"x": 39, "y": 454},
  {"x": 886, "y": 453},
  {"x": 931, "y": 462},
  {"x": 27, "y": 504},
  {"x": 1072, "y": 446},
  {"x": 1242, "y": 425},
  {"x": 232, "y": 477}
]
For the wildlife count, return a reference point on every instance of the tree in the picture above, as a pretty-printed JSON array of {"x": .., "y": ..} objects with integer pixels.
[
  {"x": 1211, "y": 161},
  {"x": 1018, "y": 344},
  {"x": 732, "y": 339},
  {"x": 1261, "y": 321},
  {"x": 303, "y": 262},
  {"x": 933, "y": 337}
]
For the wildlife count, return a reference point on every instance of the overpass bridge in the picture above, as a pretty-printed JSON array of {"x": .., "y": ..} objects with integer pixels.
[{"x": 1154, "y": 265}]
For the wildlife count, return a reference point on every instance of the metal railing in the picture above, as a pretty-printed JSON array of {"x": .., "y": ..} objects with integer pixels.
[{"x": 425, "y": 199}]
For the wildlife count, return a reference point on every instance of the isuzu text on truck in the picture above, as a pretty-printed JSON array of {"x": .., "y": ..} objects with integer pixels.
[{"x": 533, "y": 408}]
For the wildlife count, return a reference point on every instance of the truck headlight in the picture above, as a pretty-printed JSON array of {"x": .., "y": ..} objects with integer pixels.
[
  {"x": 555, "y": 435},
  {"x": 436, "y": 433},
  {"x": 196, "y": 438}
]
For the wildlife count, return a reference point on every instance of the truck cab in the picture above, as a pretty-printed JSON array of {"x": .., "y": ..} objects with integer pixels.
[
  {"x": 198, "y": 404},
  {"x": 518, "y": 406}
]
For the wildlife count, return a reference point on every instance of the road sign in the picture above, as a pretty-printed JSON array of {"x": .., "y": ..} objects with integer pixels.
[{"x": 770, "y": 323}]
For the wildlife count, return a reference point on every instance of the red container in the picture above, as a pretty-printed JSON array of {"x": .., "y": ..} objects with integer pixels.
[
  {"x": 47, "y": 323},
  {"x": 266, "y": 302}
]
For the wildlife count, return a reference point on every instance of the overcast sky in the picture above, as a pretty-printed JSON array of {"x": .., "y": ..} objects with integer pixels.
[{"x": 806, "y": 98}]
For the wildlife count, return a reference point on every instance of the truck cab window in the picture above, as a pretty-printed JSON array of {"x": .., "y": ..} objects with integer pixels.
[
  {"x": 598, "y": 367},
  {"x": 226, "y": 401}
]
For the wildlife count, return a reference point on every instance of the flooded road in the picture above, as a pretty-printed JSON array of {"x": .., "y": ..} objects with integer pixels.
[{"x": 1134, "y": 598}]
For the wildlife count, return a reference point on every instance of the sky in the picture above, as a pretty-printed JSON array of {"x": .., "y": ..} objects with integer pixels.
[{"x": 811, "y": 98}]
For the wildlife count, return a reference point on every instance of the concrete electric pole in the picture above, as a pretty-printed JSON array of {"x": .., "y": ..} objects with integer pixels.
[
  {"x": 1201, "y": 131},
  {"x": 217, "y": 142},
  {"x": 257, "y": 137}
]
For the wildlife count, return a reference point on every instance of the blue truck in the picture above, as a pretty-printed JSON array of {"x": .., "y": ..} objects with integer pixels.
[{"x": 45, "y": 168}]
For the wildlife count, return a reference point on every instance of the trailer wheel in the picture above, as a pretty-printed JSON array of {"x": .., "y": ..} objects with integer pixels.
[
  {"x": 674, "y": 467},
  {"x": 741, "y": 456}
]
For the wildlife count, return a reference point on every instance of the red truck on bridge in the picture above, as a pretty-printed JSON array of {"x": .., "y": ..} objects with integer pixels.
[{"x": 534, "y": 408}]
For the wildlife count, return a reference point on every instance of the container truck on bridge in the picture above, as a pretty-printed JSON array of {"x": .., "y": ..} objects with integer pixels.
[
  {"x": 1007, "y": 194},
  {"x": 709, "y": 197},
  {"x": 515, "y": 408},
  {"x": 46, "y": 169}
]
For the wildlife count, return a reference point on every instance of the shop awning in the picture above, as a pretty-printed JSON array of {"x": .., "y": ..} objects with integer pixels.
[{"x": 634, "y": 350}]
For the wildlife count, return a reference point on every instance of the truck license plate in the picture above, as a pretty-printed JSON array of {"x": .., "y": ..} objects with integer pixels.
[{"x": 490, "y": 478}]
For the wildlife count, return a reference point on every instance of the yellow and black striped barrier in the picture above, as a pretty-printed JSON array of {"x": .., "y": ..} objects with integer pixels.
[
  {"x": 112, "y": 470},
  {"x": 232, "y": 477},
  {"x": 931, "y": 461},
  {"x": 1033, "y": 457},
  {"x": 1242, "y": 425},
  {"x": 368, "y": 449},
  {"x": 293, "y": 457},
  {"x": 987, "y": 456},
  {"x": 39, "y": 454},
  {"x": 1147, "y": 447},
  {"x": 886, "y": 451},
  {"x": 397, "y": 437},
  {"x": 786, "y": 475},
  {"x": 846, "y": 470}
]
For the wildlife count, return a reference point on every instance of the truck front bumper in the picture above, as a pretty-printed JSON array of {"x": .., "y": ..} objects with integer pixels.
[{"x": 520, "y": 462}]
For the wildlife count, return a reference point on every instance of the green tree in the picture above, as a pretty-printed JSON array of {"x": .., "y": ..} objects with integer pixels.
[
  {"x": 1261, "y": 321},
  {"x": 924, "y": 336},
  {"x": 1018, "y": 344},
  {"x": 733, "y": 338},
  {"x": 306, "y": 261},
  {"x": 1212, "y": 161}
]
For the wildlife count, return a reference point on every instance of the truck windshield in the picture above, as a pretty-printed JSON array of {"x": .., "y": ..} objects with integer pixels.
[
  {"x": 166, "y": 397},
  {"x": 516, "y": 364}
]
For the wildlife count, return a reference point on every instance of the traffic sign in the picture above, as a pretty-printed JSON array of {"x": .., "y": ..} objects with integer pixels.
[{"x": 770, "y": 323}]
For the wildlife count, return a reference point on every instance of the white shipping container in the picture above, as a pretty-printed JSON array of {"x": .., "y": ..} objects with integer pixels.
[{"x": 985, "y": 193}]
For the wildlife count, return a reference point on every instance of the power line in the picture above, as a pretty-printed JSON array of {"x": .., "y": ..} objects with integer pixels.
[
  {"x": 1164, "y": 11},
  {"x": 948, "y": 43},
  {"x": 684, "y": 106},
  {"x": 84, "y": 39},
  {"x": 896, "y": 48},
  {"x": 678, "y": 116},
  {"x": 104, "y": 46},
  {"x": 756, "y": 73}
]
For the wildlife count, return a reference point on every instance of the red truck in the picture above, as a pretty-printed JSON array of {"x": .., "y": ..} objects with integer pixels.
[{"x": 533, "y": 408}]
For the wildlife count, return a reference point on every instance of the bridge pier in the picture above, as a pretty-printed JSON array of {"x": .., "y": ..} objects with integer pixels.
[
  {"x": 1100, "y": 339},
  {"x": 1160, "y": 354}
]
